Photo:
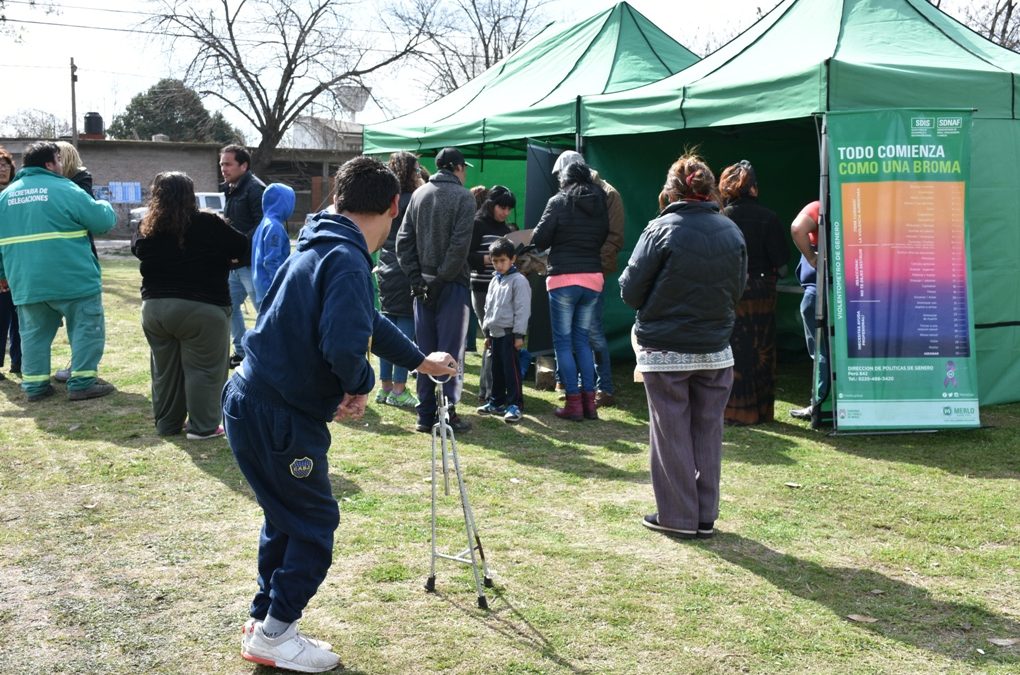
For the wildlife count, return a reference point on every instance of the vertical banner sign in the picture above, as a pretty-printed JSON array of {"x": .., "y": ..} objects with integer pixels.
[{"x": 904, "y": 354}]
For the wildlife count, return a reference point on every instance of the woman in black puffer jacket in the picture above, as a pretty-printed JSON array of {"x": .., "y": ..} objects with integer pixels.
[
  {"x": 685, "y": 278},
  {"x": 394, "y": 287},
  {"x": 573, "y": 227}
]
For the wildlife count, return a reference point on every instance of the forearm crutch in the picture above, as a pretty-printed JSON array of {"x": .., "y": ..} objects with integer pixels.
[{"x": 446, "y": 444}]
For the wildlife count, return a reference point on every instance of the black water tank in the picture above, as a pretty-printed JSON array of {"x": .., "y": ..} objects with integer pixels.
[{"x": 94, "y": 124}]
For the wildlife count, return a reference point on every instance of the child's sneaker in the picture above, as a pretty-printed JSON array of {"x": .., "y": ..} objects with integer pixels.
[
  {"x": 490, "y": 408},
  {"x": 512, "y": 415},
  {"x": 290, "y": 651},
  {"x": 381, "y": 396},
  {"x": 404, "y": 399}
]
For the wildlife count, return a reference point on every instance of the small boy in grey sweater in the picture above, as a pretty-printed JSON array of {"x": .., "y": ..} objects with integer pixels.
[{"x": 507, "y": 311}]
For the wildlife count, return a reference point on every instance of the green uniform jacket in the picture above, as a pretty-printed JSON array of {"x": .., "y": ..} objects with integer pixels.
[{"x": 44, "y": 247}]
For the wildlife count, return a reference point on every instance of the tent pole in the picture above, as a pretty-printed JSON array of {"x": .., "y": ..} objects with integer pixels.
[
  {"x": 578, "y": 139},
  {"x": 822, "y": 271}
]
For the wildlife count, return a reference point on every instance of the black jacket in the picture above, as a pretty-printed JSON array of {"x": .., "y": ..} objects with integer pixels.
[
  {"x": 764, "y": 235},
  {"x": 685, "y": 277},
  {"x": 573, "y": 227},
  {"x": 243, "y": 209},
  {"x": 487, "y": 230},
  {"x": 198, "y": 271},
  {"x": 394, "y": 286}
]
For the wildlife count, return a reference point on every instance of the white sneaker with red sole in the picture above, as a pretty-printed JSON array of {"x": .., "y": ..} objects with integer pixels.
[{"x": 289, "y": 651}]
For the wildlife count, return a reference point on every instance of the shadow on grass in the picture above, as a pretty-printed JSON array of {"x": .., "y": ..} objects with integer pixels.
[
  {"x": 122, "y": 418},
  {"x": 538, "y": 447},
  {"x": 984, "y": 453},
  {"x": 905, "y": 613},
  {"x": 215, "y": 458},
  {"x": 515, "y": 626}
]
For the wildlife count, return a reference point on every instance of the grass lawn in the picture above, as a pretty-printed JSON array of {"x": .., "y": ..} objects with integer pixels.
[{"x": 123, "y": 552}]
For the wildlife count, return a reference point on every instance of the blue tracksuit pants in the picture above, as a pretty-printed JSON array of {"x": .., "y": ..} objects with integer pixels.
[
  {"x": 441, "y": 329},
  {"x": 282, "y": 454}
]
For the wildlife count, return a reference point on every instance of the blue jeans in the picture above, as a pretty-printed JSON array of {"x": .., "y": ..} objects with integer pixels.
[
  {"x": 387, "y": 370},
  {"x": 819, "y": 353},
  {"x": 570, "y": 312},
  {"x": 599, "y": 345},
  {"x": 241, "y": 287}
]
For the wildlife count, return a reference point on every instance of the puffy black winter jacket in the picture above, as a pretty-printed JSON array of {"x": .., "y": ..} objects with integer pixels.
[
  {"x": 394, "y": 286},
  {"x": 573, "y": 227},
  {"x": 685, "y": 278}
]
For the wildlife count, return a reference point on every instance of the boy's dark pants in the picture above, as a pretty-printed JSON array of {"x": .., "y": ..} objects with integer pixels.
[
  {"x": 506, "y": 373},
  {"x": 282, "y": 454}
]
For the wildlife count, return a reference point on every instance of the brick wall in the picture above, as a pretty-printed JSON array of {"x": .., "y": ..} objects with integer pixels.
[{"x": 127, "y": 161}]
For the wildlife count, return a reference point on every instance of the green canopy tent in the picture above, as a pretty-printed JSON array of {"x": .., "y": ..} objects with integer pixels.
[
  {"x": 756, "y": 98},
  {"x": 532, "y": 98},
  {"x": 534, "y": 92}
]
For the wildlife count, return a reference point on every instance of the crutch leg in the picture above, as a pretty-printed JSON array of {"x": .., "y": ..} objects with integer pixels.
[
  {"x": 469, "y": 528},
  {"x": 430, "y": 583}
]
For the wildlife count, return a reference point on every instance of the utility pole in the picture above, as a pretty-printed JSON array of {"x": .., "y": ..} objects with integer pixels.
[{"x": 74, "y": 108}]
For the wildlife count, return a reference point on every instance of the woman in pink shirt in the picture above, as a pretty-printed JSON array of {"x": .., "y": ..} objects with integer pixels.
[{"x": 573, "y": 228}]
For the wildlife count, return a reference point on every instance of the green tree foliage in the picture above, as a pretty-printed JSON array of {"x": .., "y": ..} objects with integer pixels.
[{"x": 171, "y": 108}]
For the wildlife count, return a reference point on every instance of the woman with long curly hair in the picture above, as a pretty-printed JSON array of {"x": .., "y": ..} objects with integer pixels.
[
  {"x": 394, "y": 286},
  {"x": 684, "y": 278},
  {"x": 753, "y": 397},
  {"x": 185, "y": 255}
]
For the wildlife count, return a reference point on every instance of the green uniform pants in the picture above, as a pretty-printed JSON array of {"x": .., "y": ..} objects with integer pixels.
[
  {"x": 86, "y": 331},
  {"x": 190, "y": 343}
]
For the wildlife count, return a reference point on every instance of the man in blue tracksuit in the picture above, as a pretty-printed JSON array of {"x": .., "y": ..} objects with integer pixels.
[
  {"x": 306, "y": 356},
  {"x": 270, "y": 245}
]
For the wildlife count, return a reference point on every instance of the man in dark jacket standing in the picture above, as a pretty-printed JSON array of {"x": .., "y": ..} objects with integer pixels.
[
  {"x": 306, "y": 356},
  {"x": 243, "y": 211},
  {"x": 432, "y": 248}
]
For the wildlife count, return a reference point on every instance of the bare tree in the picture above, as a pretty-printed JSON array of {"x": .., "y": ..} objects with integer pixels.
[
  {"x": 997, "y": 20},
  {"x": 273, "y": 60},
  {"x": 34, "y": 123},
  {"x": 465, "y": 37}
]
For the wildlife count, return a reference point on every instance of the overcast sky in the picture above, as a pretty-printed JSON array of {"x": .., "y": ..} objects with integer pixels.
[{"x": 114, "y": 65}]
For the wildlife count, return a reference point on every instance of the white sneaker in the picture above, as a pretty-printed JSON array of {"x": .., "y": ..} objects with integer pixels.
[
  {"x": 290, "y": 651},
  {"x": 249, "y": 626}
]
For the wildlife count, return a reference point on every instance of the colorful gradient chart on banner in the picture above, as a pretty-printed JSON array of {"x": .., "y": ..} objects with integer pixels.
[{"x": 903, "y": 350}]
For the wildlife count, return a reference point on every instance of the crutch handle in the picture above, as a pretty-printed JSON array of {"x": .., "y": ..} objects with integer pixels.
[{"x": 440, "y": 379}]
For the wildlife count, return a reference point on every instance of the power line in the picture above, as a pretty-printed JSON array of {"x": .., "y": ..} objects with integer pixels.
[
  {"x": 138, "y": 31},
  {"x": 154, "y": 15}
]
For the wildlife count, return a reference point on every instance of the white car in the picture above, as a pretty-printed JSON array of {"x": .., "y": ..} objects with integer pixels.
[{"x": 210, "y": 201}]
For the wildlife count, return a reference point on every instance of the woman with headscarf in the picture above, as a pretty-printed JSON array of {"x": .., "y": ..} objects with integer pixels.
[
  {"x": 185, "y": 256},
  {"x": 684, "y": 278},
  {"x": 753, "y": 397},
  {"x": 573, "y": 227}
]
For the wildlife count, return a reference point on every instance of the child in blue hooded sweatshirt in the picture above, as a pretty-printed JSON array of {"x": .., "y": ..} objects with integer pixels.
[
  {"x": 270, "y": 244},
  {"x": 306, "y": 363}
]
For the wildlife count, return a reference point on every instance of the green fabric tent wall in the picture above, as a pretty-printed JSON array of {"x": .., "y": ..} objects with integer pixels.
[
  {"x": 533, "y": 93},
  {"x": 812, "y": 56}
]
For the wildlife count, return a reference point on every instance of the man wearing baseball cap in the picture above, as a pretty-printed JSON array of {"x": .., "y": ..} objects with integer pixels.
[{"x": 432, "y": 249}]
